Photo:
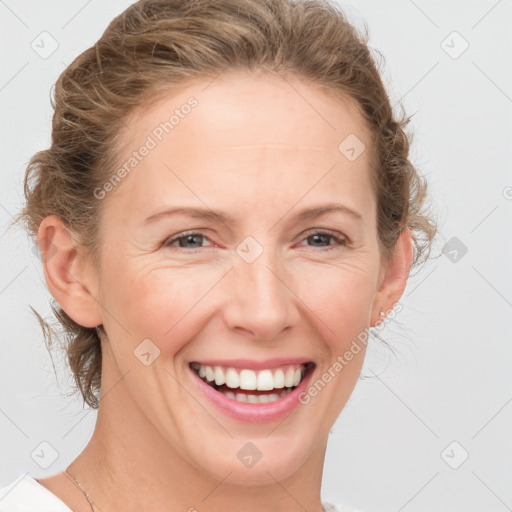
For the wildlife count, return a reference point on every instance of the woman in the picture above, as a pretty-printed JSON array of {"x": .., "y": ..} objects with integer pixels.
[{"x": 226, "y": 207}]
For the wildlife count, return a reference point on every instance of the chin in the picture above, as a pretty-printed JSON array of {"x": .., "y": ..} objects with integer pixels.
[{"x": 257, "y": 460}]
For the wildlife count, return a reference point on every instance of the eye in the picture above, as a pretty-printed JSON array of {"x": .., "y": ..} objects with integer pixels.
[
  {"x": 324, "y": 236},
  {"x": 184, "y": 239},
  {"x": 195, "y": 238}
]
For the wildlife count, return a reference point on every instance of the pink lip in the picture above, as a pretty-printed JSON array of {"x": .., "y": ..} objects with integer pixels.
[
  {"x": 252, "y": 364},
  {"x": 255, "y": 413}
]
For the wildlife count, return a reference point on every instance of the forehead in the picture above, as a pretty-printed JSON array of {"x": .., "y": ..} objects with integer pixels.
[
  {"x": 241, "y": 108},
  {"x": 266, "y": 130}
]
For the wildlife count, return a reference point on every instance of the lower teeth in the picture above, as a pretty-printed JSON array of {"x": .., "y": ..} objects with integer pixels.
[{"x": 255, "y": 399}]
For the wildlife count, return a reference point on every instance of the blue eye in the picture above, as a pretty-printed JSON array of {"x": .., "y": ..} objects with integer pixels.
[
  {"x": 194, "y": 237},
  {"x": 186, "y": 238},
  {"x": 319, "y": 235}
]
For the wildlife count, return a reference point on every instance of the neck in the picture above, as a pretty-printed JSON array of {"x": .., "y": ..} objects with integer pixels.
[{"x": 128, "y": 465}]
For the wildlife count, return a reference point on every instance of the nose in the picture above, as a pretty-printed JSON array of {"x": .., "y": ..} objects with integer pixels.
[{"x": 260, "y": 299}]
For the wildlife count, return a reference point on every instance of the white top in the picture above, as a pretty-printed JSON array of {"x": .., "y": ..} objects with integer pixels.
[{"x": 26, "y": 494}]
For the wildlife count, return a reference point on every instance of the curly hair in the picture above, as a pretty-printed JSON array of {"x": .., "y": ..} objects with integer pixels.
[{"x": 156, "y": 45}]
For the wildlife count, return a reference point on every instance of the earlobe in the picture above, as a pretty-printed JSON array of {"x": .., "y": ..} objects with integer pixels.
[
  {"x": 68, "y": 277},
  {"x": 395, "y": 278}
]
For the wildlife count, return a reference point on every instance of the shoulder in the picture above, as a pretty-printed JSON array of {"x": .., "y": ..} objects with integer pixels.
[
  {"x": 26, "y": 494},
  {"x": 330, "y": 507}
]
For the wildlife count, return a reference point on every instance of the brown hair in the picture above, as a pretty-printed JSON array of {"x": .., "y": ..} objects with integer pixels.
[{"x": 155, "y": 45}]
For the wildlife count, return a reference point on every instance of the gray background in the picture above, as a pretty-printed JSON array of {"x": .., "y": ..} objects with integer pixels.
[{"x": 401, "y": 441}]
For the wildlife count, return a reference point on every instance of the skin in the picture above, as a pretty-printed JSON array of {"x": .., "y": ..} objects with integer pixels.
[{"x": 254, "y": 148}]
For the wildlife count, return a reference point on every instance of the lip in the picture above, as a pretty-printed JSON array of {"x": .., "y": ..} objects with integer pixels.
[
  {"x": 251, "y": 364},
  {"x": 256, "y": 413}
]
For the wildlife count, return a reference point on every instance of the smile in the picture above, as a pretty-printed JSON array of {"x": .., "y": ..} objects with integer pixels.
[
  {"x": 263, "y": 394},
  {"x": 223, "y": 379}
]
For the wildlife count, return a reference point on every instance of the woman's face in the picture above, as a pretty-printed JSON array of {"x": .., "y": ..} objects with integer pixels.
[{"x": 267, "y": 287}]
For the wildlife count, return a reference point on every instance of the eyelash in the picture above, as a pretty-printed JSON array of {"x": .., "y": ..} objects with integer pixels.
[{"x": 340, "y": 241}]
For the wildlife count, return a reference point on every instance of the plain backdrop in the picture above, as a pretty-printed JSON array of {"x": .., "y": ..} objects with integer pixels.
[{"x": 429, "y": 429}]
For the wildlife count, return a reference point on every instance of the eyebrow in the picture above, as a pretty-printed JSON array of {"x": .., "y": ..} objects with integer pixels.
[{"x": 220, "y": 216}]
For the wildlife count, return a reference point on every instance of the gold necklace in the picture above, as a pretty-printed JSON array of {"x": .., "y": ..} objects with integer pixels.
[{"x": 81, "y": 488}]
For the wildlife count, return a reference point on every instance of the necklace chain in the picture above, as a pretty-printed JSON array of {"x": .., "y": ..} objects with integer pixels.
[
  {"x": 87, "y": 496},
  {"x": 82, "y": 489}
]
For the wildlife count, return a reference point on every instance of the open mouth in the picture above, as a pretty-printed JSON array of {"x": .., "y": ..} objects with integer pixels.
[{"x": 253, "y": 386}]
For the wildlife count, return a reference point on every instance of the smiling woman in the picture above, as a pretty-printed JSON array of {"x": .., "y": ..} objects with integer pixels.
[{"x": 227, "y": 204}]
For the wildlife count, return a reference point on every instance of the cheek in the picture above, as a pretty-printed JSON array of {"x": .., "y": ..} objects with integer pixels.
[
  {"x": 340, "y": 299},
  {"x": 170, "y": 304},
  {"x": 162, "y": 303}
]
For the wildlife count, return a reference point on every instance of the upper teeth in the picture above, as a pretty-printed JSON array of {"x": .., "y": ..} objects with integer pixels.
[{"x": 262, "y": 380}]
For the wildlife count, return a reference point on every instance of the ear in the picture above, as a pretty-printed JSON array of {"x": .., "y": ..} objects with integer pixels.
[
  {"x": 393, "y": 277},
  {"x": 69, "y": 274}
]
